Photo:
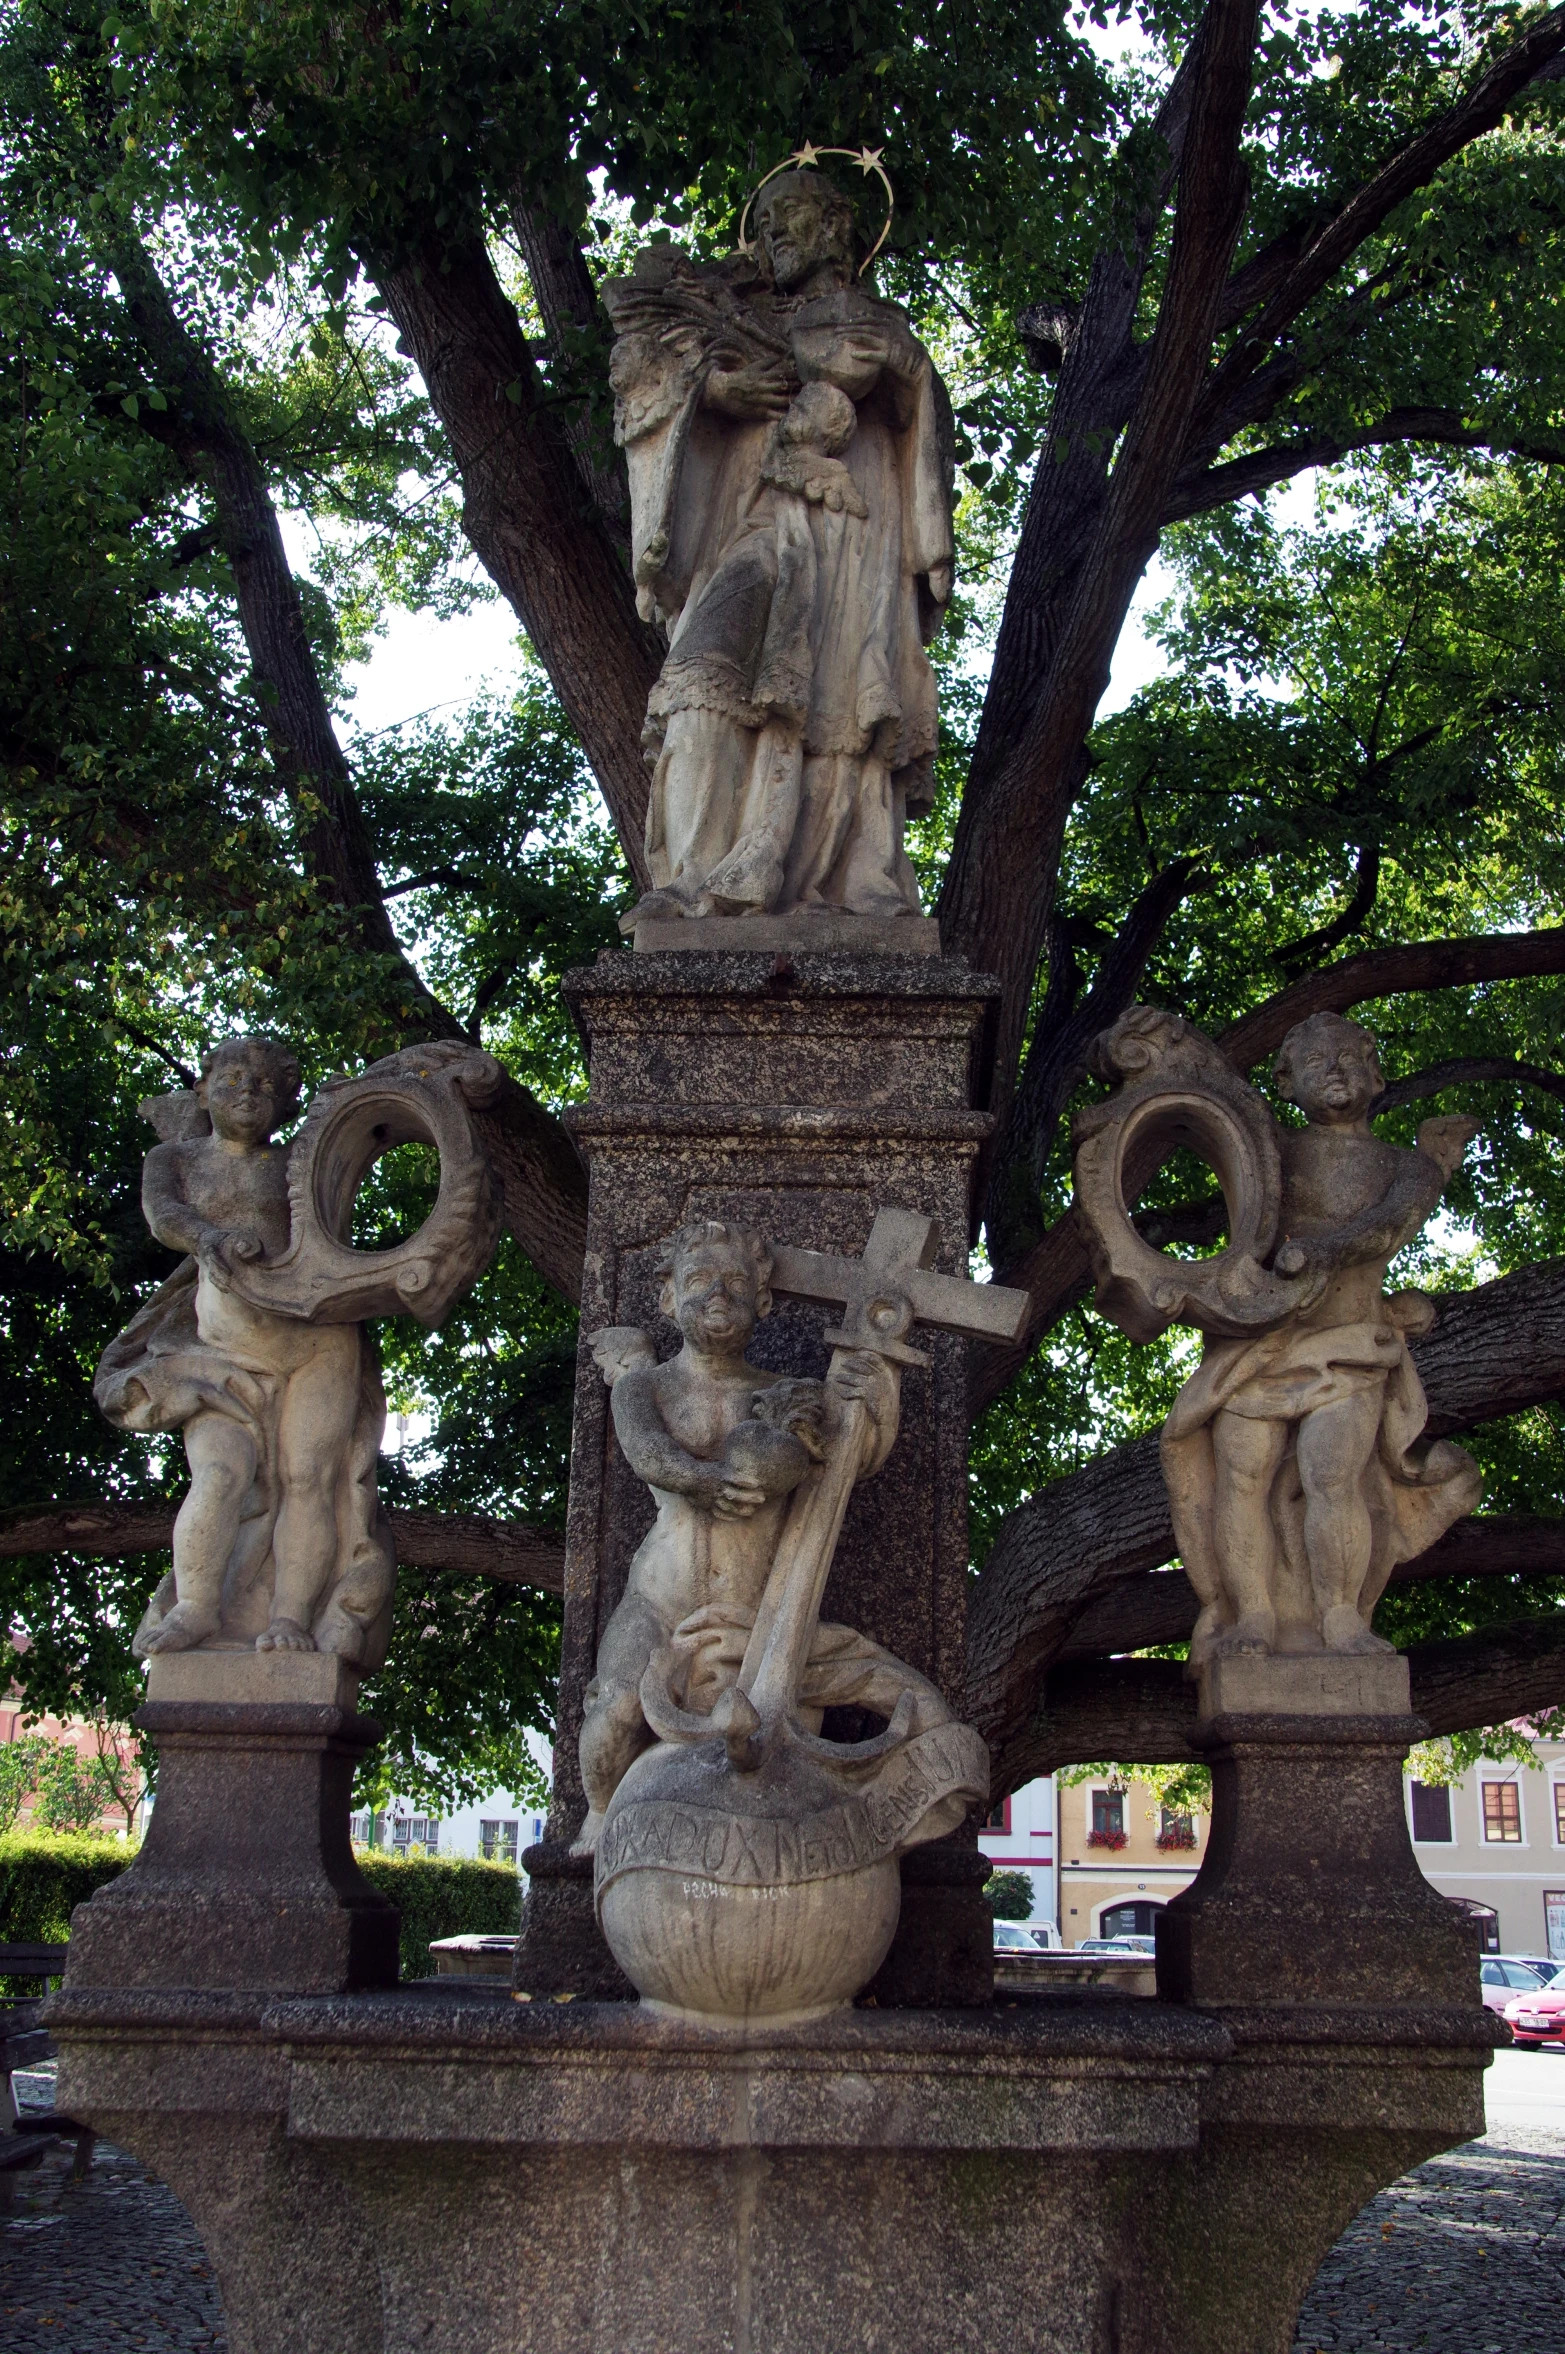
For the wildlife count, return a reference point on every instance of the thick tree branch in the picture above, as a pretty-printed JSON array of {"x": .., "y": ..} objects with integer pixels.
[
  {"x": 1142, "y": 1711},
  {"x": 1412, "y": 167},
  {"x": 1159, "y": 1605},
  {"x": 1366, "y": 883},
  {"x": 1057, "y": 1060},
  {"x": 578, "y": 335},
  {"x": 1496, "y": 1350},
  {"x": 199, "y": 424},
  {"x": 1386, "y": 972},
  {"x": 997, "y": 901},
  {"x": 528, "y": 515},
  {"x": 1201, "y": 488},
  {"x": 1466, "y": 1071},
  {"x": 468, "y": 1544}
]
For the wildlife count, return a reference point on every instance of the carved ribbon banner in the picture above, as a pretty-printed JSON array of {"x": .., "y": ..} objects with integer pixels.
[{"x": 759, "y": 1853}]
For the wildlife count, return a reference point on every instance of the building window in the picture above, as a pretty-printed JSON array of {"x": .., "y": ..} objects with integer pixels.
[
  {"x": 1487, "y": 1918},
  {"x": 1129, "y": 1920},
  {"x": 1432, "y": 1811},
  {"x": 1108, "y": 1819},
  {"x": 999, "y": 1817},
  {"x": 497, "y": 1842},
  {"x": 1559, "y": 1814},
  {"x": 415, "y": 1835},
  {"x": 1175, "y": 1829},
  {"x": 1502, "y": 1812}
]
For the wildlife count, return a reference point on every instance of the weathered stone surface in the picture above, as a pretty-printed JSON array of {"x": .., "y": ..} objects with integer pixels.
[
  {"x": 1313, "y": 1683},
  {"x": 600, "y": 2182},
  {"x": 788, "y": 448},
  {"x": 246, "y": 1879},
  {"x": 1309, "y": 1891},
  {"x": 1295, "y": 1459},
  {"x": 249, "y": 1677},
  {"x": 818, "y": 933},
  {"x": 794, "y": 1095}
]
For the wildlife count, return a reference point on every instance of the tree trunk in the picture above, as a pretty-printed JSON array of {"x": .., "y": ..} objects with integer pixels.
[{"x": 530, "y": 517}]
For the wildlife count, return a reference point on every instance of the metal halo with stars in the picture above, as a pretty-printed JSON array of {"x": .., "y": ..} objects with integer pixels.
[{"x": 807, "y": 156}]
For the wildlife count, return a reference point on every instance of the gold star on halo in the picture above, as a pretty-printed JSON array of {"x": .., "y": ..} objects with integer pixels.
[
  {"x": 807, "y": 154},
  {"x": 869, "y": 159}
]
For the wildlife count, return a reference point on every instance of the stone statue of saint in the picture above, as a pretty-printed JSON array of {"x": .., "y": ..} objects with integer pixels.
[
  {"x": 1293, "y": 1456},
  {"x": 723, "y": 1445},
  {"x": 280, "y": 1541},
  {"x": 790, "y": 455}
]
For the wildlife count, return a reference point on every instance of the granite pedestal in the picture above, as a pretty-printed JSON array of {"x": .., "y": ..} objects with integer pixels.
[
  {"x": 450, "y": 2171},
  {"x": 246, "y": 1877}
]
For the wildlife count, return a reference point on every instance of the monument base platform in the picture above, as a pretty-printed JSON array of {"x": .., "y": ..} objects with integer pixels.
[{"x": 448, "y": 2169}]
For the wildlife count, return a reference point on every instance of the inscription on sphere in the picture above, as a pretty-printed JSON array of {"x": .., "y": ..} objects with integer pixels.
[{"x": 743, "y": 1851}]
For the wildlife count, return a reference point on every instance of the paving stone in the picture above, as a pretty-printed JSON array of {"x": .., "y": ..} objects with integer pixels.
[
  {"x": 1467, "y": 2253},
  {"x": 106, "y": 2264}
]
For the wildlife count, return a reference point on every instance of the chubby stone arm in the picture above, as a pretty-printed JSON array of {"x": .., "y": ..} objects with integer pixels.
[
  {"x": 1377, "y": 1233},
  {"x": 165, "y": 1208},
  {"x": 653, "y": 1455}
]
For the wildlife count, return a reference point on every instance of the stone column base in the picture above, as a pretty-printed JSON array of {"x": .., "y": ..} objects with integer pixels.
[
  {"x": 246, "y": 1879},
  {"x": 1309, "y": 1891}
]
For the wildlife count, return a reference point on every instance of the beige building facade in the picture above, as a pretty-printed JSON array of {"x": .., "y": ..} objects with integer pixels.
[
  {"x": 1495, "y": 1840},
  {"x": 1123, "y": 1856}
]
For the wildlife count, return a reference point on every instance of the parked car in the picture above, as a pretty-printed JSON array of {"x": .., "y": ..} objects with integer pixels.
[
  {"x": 1538, "y": 2017},
  {"x": 1500, "y": 1979},
  {"x": 1141, "y": 1946},
  {"x": 1011, "y": 1937}
]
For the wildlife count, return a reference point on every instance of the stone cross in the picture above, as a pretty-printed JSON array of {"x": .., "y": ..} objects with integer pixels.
[
  {"x": 893, "y": 1287},
  {"x": 883, "y": 1294}
]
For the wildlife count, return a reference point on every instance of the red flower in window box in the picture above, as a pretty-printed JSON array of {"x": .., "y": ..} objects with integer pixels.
[
  {"x": 1106, "y": 1838},
  {"x": 1177, "y": 1835}
]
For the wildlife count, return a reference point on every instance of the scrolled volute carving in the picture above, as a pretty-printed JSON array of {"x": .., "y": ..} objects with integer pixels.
[
  {"x": 1174, "y": 1088},
  {"x": 424, "y": 1095}
]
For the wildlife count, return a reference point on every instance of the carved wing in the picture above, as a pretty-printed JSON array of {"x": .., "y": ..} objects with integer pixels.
[{"x": 621, "y": 1348}]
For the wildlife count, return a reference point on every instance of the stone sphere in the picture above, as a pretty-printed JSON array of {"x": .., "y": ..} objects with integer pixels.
[{"x": 742, "y": 1897}]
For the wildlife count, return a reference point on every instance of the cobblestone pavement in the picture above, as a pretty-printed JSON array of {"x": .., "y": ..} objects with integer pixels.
[
  {"x": 1466, "y": 2256},
  {"x": 107, "y": 2263}
]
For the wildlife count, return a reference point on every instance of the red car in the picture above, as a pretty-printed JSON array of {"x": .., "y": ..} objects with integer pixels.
[{"x": 1537, "y": 2019}]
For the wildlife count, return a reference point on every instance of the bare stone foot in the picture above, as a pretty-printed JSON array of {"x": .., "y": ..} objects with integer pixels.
[
  {"x": 1344, "y": 1630},
  {"x": 186, "y": 1625},
  {"x": 586, "y": 1839},
  {"x": 1252, "y": 1636},
  {"x": 284, "y": 1635}
]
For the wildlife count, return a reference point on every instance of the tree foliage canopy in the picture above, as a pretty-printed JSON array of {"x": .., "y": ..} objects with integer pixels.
[{"x": 334, "y": 269}]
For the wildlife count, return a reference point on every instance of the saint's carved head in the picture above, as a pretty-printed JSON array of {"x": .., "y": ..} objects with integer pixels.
[{"x": 804, "y": 223}]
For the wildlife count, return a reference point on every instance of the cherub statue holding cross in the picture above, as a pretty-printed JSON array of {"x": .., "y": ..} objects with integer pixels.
[
  {"x": 724, "y": 1445},
  {"x": 746, "y": 1865}
]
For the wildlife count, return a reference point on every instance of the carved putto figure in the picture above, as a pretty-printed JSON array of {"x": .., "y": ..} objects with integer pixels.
[
  {"x": 723, "y": 1445},
  {"x": 1293, "y": 1456},
  {"x": 255, "y": 1346},
  {"x": 746, "y": 1865},
  {"x": 790, "y": 456}
]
